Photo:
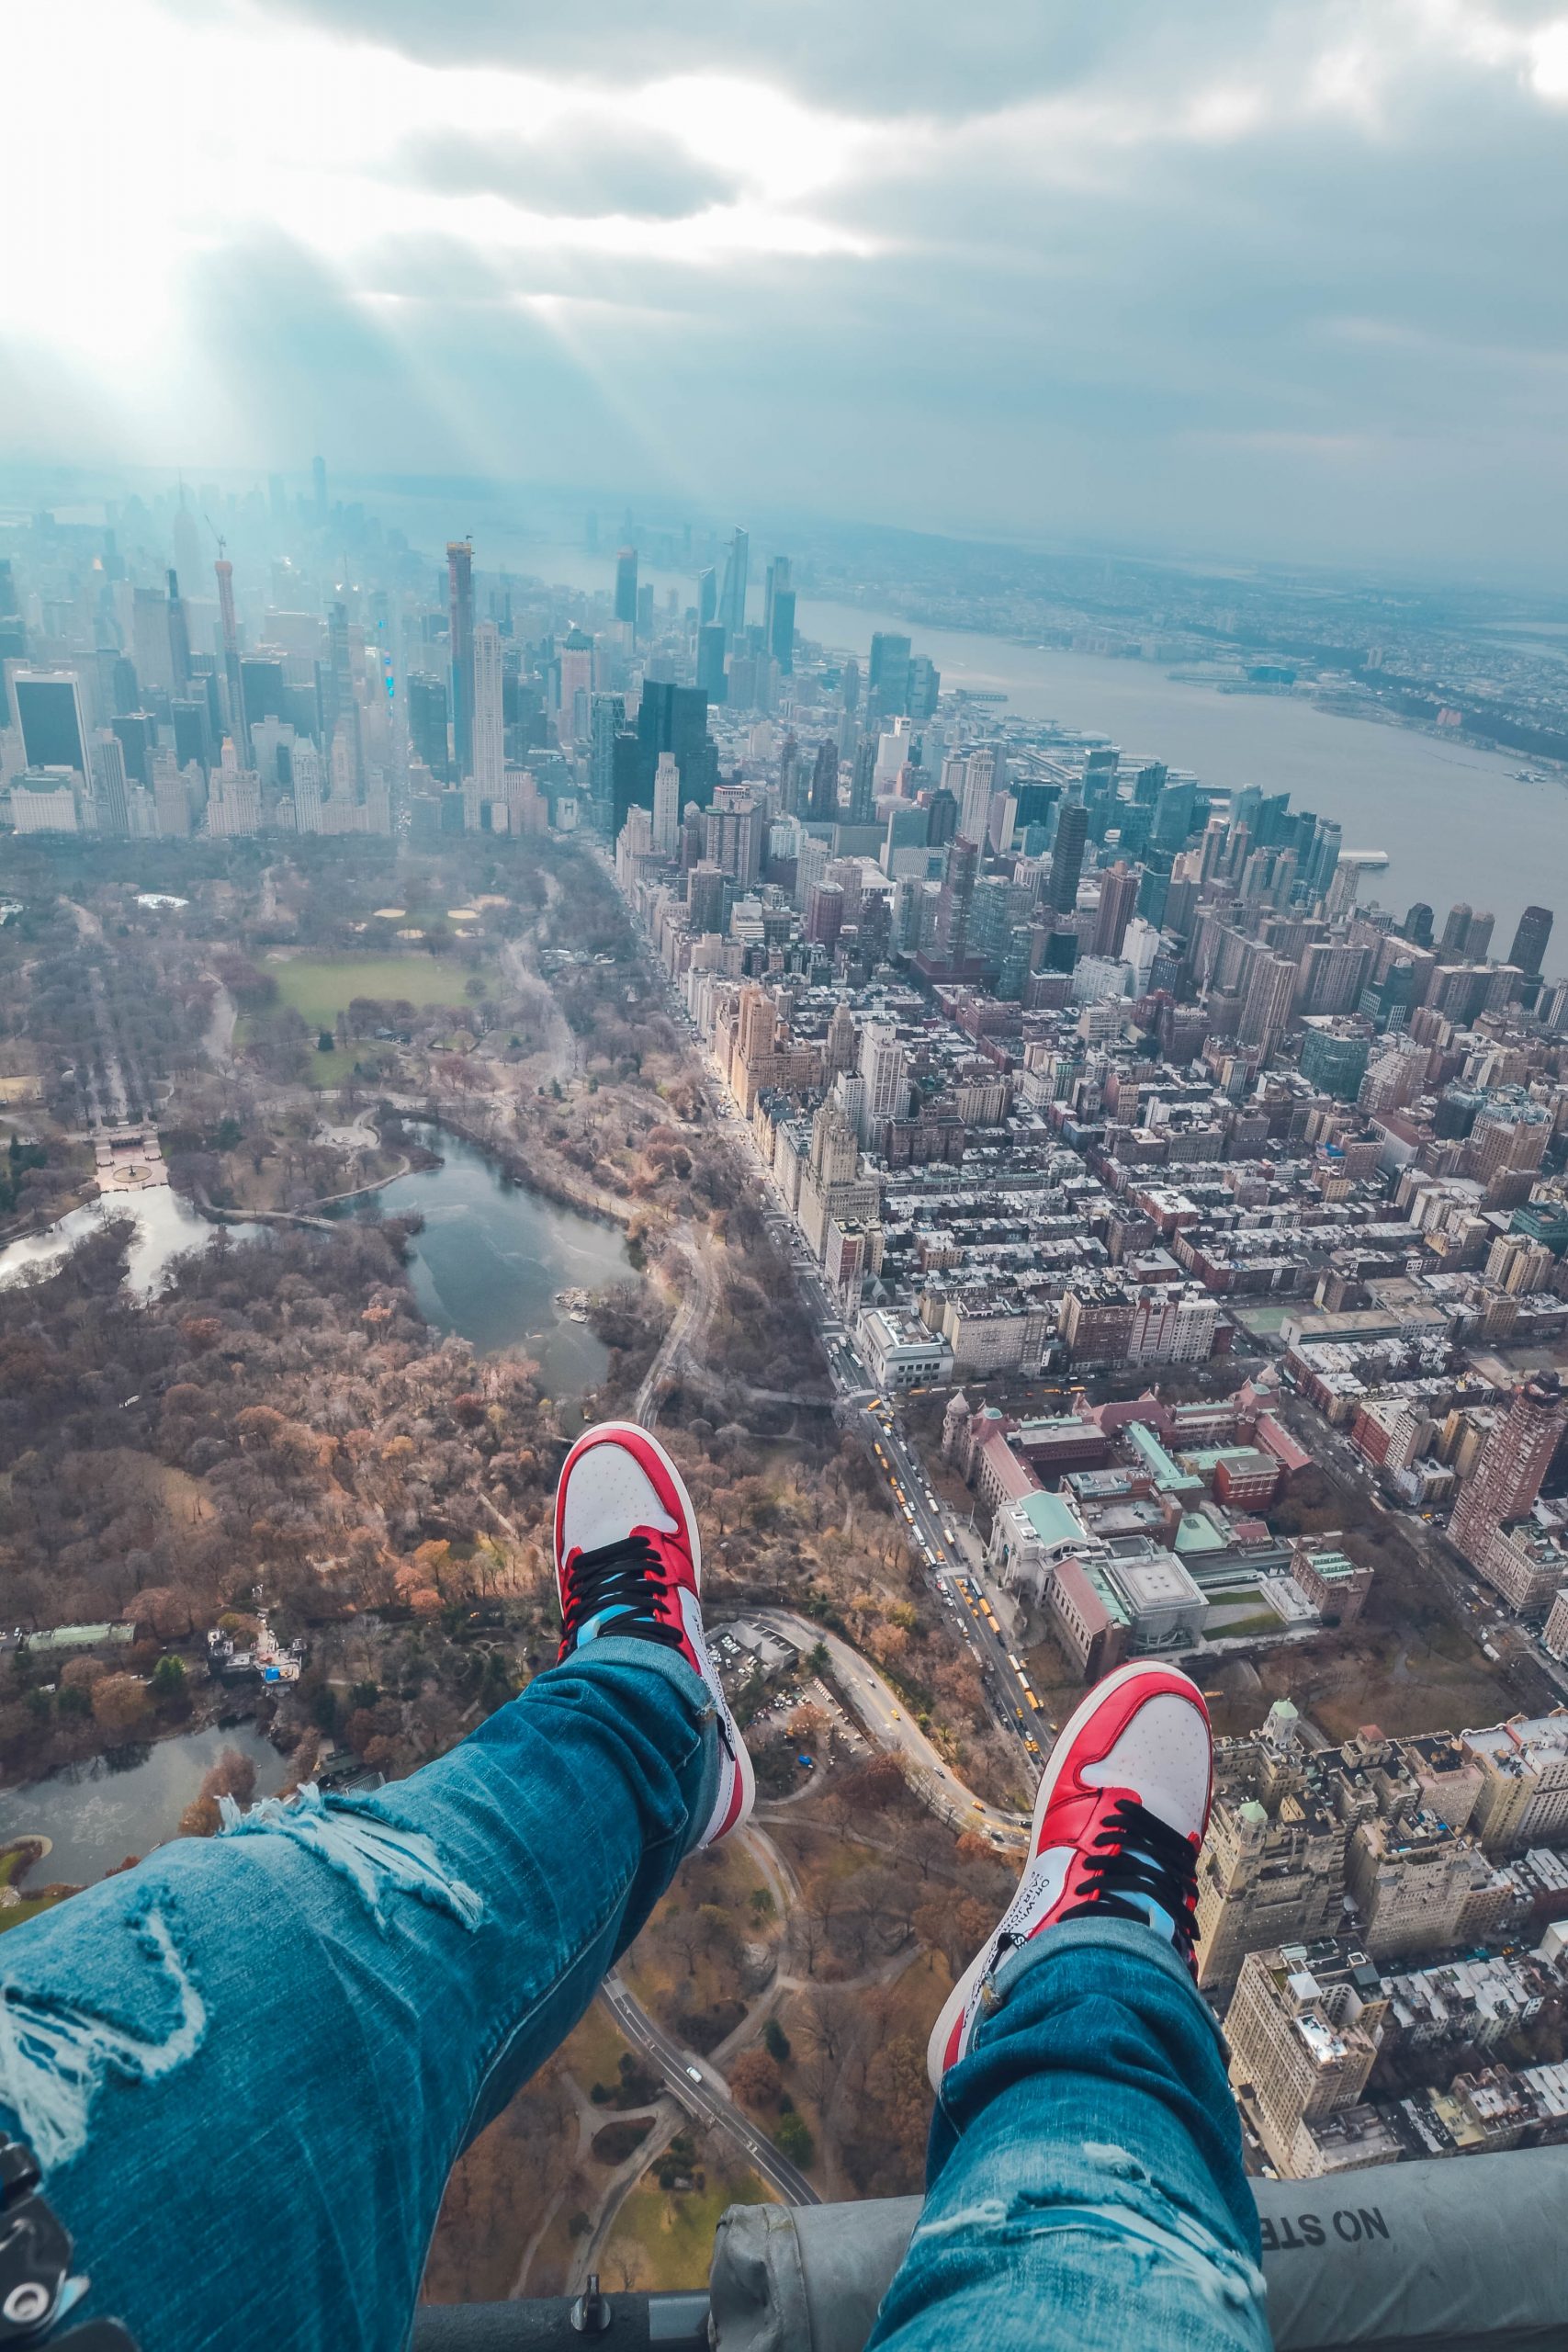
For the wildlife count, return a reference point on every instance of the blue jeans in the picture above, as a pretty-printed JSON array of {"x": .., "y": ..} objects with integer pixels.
[
  {"x": 1084, "y": 2181},
  {"x": 247, "y": 2066}
]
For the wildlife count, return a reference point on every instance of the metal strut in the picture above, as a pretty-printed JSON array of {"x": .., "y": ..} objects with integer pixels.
[{"x": 36, "y": 2287}]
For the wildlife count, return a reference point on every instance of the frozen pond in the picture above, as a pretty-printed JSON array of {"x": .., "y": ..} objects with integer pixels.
[
  {"x": 166, "y": 1226},
  {"x": 97, "y": 1814}
]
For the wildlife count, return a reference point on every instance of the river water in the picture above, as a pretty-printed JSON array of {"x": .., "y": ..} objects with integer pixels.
[
  {"x": 95, "y": 1814},
  {"x": 1456, "y": 822}
]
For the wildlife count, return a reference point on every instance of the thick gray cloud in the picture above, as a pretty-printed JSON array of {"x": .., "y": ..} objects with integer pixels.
[
  {"x": 580, "y": 165},
  {"x": 1269, "y": 277}
]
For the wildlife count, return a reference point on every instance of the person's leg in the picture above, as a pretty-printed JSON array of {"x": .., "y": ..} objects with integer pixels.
[
  {"x": 247, "y": 2066},
  {"x": 1085, "y": 2177},
  {"x": 1085, "y": 2181}
]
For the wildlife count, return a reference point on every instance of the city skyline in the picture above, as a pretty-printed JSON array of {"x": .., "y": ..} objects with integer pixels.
[{"x": 1045, "y": 278}]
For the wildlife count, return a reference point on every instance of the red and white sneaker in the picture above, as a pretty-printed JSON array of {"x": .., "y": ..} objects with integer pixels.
[
  {"x": 629, "y": 1561},
  {"x": 1119, "y": 1819}
]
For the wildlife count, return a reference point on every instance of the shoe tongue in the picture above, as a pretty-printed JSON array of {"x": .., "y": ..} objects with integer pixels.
[{"x": 604, "y": 1622}]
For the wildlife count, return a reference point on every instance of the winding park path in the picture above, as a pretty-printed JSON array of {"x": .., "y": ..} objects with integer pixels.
[
  {"x": 888, "y": 1725},
  {"x": 691, "y": 1319}
]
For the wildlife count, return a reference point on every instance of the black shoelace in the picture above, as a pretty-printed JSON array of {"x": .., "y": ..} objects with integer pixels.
[
  {"x": 627, "y": 1577},
  {"x": 1134, "y": 1852}
]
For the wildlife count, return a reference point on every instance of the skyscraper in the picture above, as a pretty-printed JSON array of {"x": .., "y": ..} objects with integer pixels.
[
  {"x": 942, "y": 818},
  {"x": 953, "y": 903},
  {"x": 13, "y": 630},
  {"x": 1173, "y": 814},
  {"x": 428, "y": 702},
  {"x": 1118, "y": 898},
  {"x": 490, "y": 731},
  {"x": 307, "y": 787},
  {"x": 666, "y": 805},
  {"x": 789, "y": 775},
  {"x": 136, "y": 733},
  {"x": 150, "y": 640},
  {"x": 626, "y": 778},
  {"x": 109, "y": 783},
  {"x": 707, "y": 596},
  {"x": 1325, "y": 857},
  {"x": 318, "y": 487},
  {"x": 889, "y": 676},
  {"x": 626, "y": 588},
  {"x": 239, "y": 732},
  {"x": 179, "y": 637},
  {"x": 1332, "y": 975},
  {"x": 460, "y": 628},
  {"x": 732, "y": 601},
  {"x": 823, "y": 807},
  {"x": 1491, "y": 1523},
  {"x": 925, "y": 688},
  {"x": 773, "y": 578},
  {"x": 340, "y": 704},
  {"x": 193, "y": 734},
  {"x": 863, "y": 788},
  {"x": 1066, "y": 855},
  {"x": 1418, "y": 925},
  {"x": 607, "y": 720},
  {"x": 705, "y": 897},
  {"x": 53, "y": 724},
  {"x": 1478, "y": 938},
  {"x": 675, "y": 719},
  {"x": 780, "y": 636},
  {"x": 574, "y": 666},
  {"x": 824, "y": 913},
  {"x": 1530, "y": 938},
  {"x": 1513, "y": 1461},
  {"x": 1266, "y": 1009},
  {"x": 975, "y": 805},
  {"x": 1456, "y": 933},
  {"x": 882, "y": 1067},
  {"x": 710, "y": 661},
  {"x": 732, "y": 834}
]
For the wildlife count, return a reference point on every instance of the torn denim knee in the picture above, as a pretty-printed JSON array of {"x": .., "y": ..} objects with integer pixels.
[
  {"x": 375, "y": 1855},
  {"x": 55, "y": 2056},
  {"x": 1109, "y": 2194}
]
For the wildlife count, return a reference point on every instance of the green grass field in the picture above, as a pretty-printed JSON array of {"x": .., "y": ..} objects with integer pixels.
[
  {"x": 321, "y": 987},
  {"x": 670, "y": 2238},
  {"x": 31, "y": 1905}
]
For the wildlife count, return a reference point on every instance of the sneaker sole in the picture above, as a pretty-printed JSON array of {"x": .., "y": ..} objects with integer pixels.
[
  {"x": 718, "y": 1825},
  {"x": 957, "y": 2000}
]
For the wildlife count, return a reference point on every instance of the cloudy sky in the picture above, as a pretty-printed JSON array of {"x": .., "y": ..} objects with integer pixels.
[{"x": 1231, "y": 276}]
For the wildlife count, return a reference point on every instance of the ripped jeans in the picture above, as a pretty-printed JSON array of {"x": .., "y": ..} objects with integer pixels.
[
  {"x": 247, "y": 2066},
  {"x": 1085, "y": 2185}
]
